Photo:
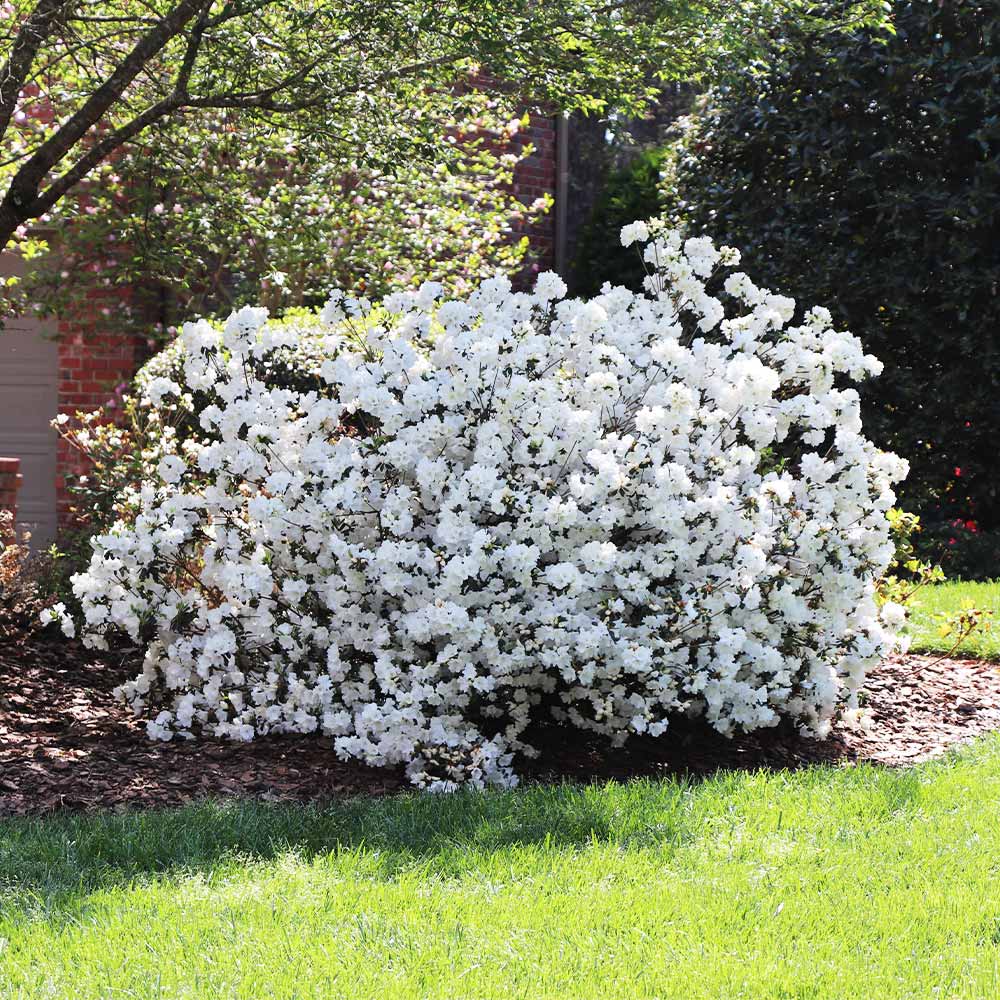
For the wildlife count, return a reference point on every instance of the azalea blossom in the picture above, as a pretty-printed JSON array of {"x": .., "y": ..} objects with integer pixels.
[{"x": 502, "y": 509}]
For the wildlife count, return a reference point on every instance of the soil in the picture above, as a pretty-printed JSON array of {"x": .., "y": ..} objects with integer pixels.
[{"x": 65, "y": 743}]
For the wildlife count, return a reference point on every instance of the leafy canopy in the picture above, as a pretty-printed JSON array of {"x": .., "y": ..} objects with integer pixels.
[
  {"x": 81, "y": 78},
  {"x": 204, "y": 219}
]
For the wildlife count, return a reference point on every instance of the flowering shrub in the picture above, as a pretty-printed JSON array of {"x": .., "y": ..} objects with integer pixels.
[
  {"x": 19, "y": 599},
  {"x": 499, "y": 510}
]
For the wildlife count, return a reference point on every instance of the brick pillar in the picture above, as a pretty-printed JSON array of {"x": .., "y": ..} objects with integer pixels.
[
  {"x": 10, "y": 483},
  {"x": 535, "y": 177}
]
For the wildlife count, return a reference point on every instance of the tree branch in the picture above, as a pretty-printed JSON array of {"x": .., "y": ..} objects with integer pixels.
[
  {"x": 21, "y": 201},
  {"x": 28, "y": 41},
  {"x": 191, "y": 52},
  {"x": 98, "y": 151}
]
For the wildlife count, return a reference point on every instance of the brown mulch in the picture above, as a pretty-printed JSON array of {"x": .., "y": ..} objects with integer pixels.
[{"x": 66, "y": 743}]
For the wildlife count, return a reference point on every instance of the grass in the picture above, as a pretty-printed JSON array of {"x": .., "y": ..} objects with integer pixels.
[
  {"x": 826, "y": 883},
  {"x": 829, "y": 884},
  {"x": 932, "y": 604}
]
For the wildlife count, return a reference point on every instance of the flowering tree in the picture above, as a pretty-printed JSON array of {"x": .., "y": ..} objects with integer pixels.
[
  {"x": 419, "y": 528},
  {"x": 80, "y": 79}
]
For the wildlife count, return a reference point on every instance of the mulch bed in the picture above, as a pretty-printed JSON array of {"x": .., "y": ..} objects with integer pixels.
[{"x": 65, "y": 743}]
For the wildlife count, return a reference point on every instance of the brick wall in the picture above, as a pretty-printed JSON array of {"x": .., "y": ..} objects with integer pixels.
[
  {"x": 91, "y": 365},
  {"x": 535, "y": 177},
  {"x": 10, "y": 483}
]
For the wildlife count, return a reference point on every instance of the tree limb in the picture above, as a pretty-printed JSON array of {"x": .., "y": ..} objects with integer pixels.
[
  {"x": 32, "y": 33},
  {"x": 97, "y": 152},
  {"x": 21, "y": 200}
]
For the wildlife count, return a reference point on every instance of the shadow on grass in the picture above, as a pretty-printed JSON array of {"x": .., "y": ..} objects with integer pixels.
[{"x": 49, "y": 866}]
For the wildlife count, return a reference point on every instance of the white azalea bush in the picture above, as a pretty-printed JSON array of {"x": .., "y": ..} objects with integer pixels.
[{"x": 505, "y": 510}]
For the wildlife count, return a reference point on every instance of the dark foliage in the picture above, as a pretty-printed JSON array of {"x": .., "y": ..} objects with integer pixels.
[
  {"x": 633, "y": 192},
  {"x": 865, "y": 176}
]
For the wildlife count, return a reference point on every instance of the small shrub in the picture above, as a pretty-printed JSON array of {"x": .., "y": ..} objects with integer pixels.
[
  {"x": 493, "y": 511},
  {"x": 907, "y": 572},
  {"x": 20, "y": 597},
  {"x": 633, "y": 192}
]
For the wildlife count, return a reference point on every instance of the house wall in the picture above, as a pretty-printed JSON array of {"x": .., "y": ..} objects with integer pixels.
[{"x": 28, "y": 404}]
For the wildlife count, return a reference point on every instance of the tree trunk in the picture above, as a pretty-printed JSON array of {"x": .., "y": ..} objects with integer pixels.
[{"x": 9, "y": 221}]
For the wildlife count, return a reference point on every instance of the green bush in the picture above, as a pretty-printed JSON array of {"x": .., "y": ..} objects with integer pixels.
[
  {"x": 865, "y": 174},
  {"x": 633, "y": 192}
]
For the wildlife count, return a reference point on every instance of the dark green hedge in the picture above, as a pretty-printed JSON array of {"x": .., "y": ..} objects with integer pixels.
[{"x": 865, "y": 176}]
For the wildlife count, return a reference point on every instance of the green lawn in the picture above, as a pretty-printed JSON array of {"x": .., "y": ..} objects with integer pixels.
[
  {"x": 826, "y": 883},
  {"x": 930, "y": 603}
]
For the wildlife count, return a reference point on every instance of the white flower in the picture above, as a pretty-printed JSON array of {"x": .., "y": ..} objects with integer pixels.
[
  {"x": 549, "y": 286},
  {"x": 563, "y": 576},
  {"x": 498, "y": 509},
  {"x": 57, "y": 614},
  {"x": 894, "y": 615},
  {"x": 635, "y": 232},
  {"x": 428, "y": 293},
  {"x": 171, "y": 468},
  {"x": 157, "y": 388}
]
